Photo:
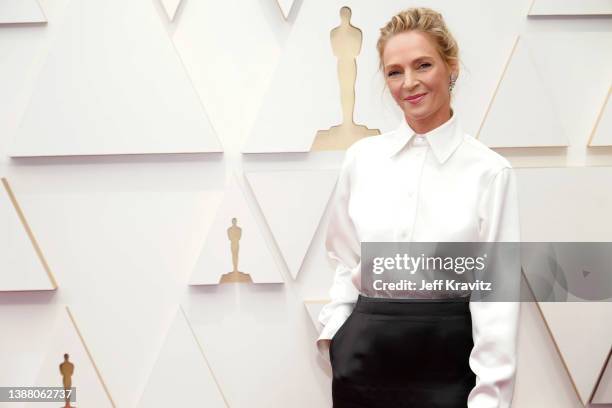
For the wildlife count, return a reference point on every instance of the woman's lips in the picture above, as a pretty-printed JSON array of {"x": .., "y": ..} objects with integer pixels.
[{"x": 415, "y": 99}]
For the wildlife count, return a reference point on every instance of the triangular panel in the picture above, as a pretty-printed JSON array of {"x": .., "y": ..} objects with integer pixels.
[
  {"x": 67, "y": 339},
  {"x": 235, "y": 231},
  {"x": 577, "y": 111},
  {"x": 298, "y": 80},
  {"x": 568, "y": 322},
  {"x": 603, "y": 394},
  {"x": 247, "y": 54},
  {"x": 293, "y": 203},
  {"x": 170, "y": 6},
  {"x": 259, "y": 344},
  {"x": 521, "y": 94},
  {"x": 541, "y": 379},
  {"x": 21, "y": 11},
  {"x": 21, "y": 261},
  {"x": 313, "y": 307},
  {"x": 570, "y": 7},
  {"x": 181, "y": 375},
  {"x": 113, "y": 84},
  {"x": 602, "y": 133},
  {"x": 285, "y": 6}
]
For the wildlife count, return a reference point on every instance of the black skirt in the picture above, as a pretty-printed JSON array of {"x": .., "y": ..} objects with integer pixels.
[{"x": 400, "y": 353}]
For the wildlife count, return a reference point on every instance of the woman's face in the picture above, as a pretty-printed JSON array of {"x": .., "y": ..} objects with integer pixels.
[{"x": 418, "y": 79}]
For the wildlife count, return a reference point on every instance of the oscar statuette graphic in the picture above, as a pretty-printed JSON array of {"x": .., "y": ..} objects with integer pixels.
[
  {"x": 234, "y": 233},
  {"x": 346, "y": 42},
  {"x": 66, "y": 370}
]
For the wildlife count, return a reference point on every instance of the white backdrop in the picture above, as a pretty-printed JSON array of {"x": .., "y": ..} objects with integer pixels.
[{"x": 123, "y": 233}]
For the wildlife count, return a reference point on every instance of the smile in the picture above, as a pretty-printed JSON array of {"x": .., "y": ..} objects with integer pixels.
[{"x": 415, "y": 99}]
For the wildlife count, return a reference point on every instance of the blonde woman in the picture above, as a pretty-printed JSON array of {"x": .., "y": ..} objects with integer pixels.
[{"x": 426, "y": 181}]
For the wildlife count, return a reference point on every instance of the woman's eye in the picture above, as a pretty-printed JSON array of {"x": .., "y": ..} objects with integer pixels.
[
  {"x": 391, "y": 73},
  {"x": 427, "y": 64}
]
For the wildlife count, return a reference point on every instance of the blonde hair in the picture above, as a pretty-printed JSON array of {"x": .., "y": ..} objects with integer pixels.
[{"x": 427, "y": 21}]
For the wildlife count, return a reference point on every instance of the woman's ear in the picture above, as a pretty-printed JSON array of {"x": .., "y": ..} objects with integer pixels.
[{"x": 454, "y": 69}]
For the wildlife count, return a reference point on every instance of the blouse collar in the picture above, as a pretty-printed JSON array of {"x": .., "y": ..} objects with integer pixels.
[{"x": 444, "y": 139}]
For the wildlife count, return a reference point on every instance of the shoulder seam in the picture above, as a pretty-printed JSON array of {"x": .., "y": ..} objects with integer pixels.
[{"x": 505, "y": 163}]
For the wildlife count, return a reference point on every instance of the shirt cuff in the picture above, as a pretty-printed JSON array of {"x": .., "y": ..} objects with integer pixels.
[
  {"x": 494, "y": 357},
  {"x": 334, "y": 323}
]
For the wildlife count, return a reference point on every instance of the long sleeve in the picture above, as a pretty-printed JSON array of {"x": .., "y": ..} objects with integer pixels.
[
  {"x": 495, "y": 324},
  {"x": 344, "y": 250}
]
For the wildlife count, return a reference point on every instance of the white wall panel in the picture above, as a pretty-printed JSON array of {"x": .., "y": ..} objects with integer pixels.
[
  {"x": 565, "y": 204},
  {"x": 21, "y": 11},
  {"x": 522, "y": 93},
  {"x": 294, "y": 215},
  {"x": 285, "y": 6},
  {"x": 570, "y": 7},
  {"x": 313, "y": 307},
  {"x": 67, "y": 337},
  {"x": 123, "y": 256},
  {"x": 602, "y": 131},
  {"x": 603, "y": 394},
  {"x": 576, "y": 100},
  {"x": 21, "y": 260},
  {"x": 574, "y": 205},
  {"x": 170, "y": 7},
  {"x": 542, "y": 380},
  {"x": 260, "y": 344},
  {"x": 27, "y": 352},
  {"x": 230, "y": 49},
  {"x": 569, "y": 323},
  {"x": 181, "y": 375},
  {"x": 113, "y": 84},
  {"x": 254, "y": 257}
]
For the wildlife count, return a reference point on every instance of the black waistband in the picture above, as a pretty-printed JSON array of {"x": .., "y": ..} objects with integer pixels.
[{"x": 413, "y": 307}]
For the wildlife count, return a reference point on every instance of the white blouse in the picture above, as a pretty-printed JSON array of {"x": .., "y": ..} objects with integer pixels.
[{"x": 442, "y": 186}]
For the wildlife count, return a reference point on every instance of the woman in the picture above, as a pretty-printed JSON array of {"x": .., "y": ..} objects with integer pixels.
[{"x": 426, "y": 181}]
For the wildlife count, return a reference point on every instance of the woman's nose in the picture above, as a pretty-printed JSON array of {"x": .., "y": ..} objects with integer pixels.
[{"x": 409, "y": 81}]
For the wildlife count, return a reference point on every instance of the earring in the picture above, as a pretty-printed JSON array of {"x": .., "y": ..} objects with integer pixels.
[{"x": 452, "y": 83}]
